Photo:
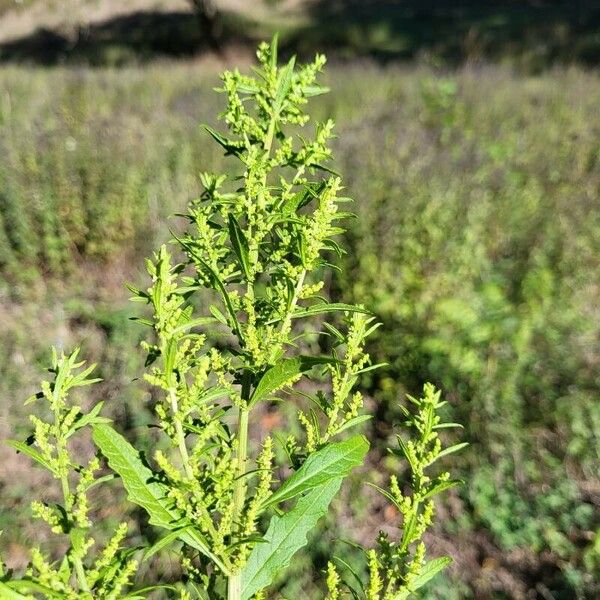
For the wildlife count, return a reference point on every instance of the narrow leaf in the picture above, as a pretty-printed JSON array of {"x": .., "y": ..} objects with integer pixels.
[
  {"x": 164, "y": 541},
  {"x": 284, "y": 84},
  {"x": 450, "y": 450},
  {"x": 353, "y": 422},
  {"x": 24, "y": 585},
  {"x": 229, "y": 146},
  {"x": 240, "y": 245},
  {"x": 32, "y": 453},
  {"x": 7, "y": 593},
  {"x": 320, "y": 309},
  {"x": 87, "y": 419},
  {"x": 441, "y": 487},
  {"x": 194, "y": 323}
]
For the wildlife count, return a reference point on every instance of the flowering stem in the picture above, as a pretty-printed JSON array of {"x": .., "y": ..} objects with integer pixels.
[
  {"x": 185, "y": 458},
  {"x": 79, "y": 570},
  {"x": 239, "y": 492}
]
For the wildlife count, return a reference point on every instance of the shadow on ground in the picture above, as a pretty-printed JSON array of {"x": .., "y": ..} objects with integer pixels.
[
  {"x": 136, "y": 37},
  {"x": 532, "y": 33},
  {"x": 539, "y": 32}
]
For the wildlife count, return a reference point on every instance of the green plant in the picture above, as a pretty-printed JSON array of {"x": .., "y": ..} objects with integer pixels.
[
  {"x": 80, "y": 574},
  {"x": 256, "y": 248}
]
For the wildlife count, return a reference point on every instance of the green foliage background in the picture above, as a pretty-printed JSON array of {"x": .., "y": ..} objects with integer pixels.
[{"x": 477, "y": 244}]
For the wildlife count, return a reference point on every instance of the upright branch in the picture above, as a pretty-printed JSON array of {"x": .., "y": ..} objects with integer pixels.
[
  {"x": 81, "y": 574},
  {"x": 398, "y": 568}
]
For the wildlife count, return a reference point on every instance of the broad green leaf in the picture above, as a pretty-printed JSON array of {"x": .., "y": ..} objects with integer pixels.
[
  {"x": 141, "y": 488},
  {"x": 331, "y": 462},
  {"x": 285, "y": 536},
  {"x": 138, "y": 479},
  {"x": 32, "y": 453},
  {"x": 430, "y": 570},
  {"x": 240, "y": 245}
]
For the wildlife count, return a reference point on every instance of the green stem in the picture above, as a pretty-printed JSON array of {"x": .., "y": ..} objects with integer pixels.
[
  {"x": 270, "y": 134},
  {"x": 288, "y": 317},
  {"x": 234, "y": 584},
  {"x": 234, "y": 591},
  {"x": 185, "y": 457}
]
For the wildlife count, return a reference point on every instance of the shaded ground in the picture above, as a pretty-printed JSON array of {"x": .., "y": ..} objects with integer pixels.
[
  {"x": 134, "y": 37},
  {"x": 540, "y": 31},
  {"x": 533, "y": 34}
]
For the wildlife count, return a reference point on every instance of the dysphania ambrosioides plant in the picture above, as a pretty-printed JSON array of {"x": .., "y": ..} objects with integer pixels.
[{"x": 256, "y": 248}]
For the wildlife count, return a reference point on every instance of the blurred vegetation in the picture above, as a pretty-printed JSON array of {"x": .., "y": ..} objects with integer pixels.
[{"x": 477, "y": 245}]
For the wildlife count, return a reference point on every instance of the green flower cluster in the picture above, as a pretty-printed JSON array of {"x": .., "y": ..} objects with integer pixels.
[
  {"x": 398, "y": 568},
  {"x": 81, "y": 574}
]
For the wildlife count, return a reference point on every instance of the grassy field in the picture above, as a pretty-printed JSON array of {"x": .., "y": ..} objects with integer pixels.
[{"x": 477, "y": 244}]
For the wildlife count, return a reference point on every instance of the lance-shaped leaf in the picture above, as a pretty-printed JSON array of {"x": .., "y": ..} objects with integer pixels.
[
  {"x": 284, "y": 84},
  {"x": 32, "y": 453},
  {"x": 230, "y": 146},
  {"x": 284, "y": 373},
  {"x": 429, "y": 570},
  {"x": 285, "y": 536},
  {"x": 11, "y": 590},
  {"x": 331, "y": 462},
  {"x": 165, "y": 541},
  {"x": 240, "y": 245},
  {"x": 143, "y": 490},
  {"x": 323, "y": 308}
]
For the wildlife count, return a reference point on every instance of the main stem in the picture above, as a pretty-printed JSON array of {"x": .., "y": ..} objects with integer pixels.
[
  {"x": 234, "y": 586},
  {"x": 234, "y": 583}
]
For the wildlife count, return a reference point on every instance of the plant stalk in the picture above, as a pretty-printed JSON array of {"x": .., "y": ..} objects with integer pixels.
[
  {"x": 185, "y": 458},
  {"x": 234, "y": 590}
]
